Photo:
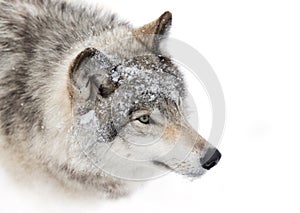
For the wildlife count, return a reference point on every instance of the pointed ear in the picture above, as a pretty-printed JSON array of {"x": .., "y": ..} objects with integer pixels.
[
  {"x": 152, "y": 33},
  {"x": 88, "y": 74}
]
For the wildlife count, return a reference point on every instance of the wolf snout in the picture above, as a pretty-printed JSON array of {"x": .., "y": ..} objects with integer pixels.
[{"x": 211, "y": 158}]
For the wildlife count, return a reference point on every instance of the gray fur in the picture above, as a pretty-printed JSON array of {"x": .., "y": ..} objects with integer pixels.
[{"x": 33, "y": 44}]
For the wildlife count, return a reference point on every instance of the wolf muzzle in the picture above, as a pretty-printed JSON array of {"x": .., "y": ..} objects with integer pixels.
[{"x": 211, "y": 158}]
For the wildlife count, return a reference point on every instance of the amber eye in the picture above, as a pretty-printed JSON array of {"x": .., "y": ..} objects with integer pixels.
[{"x": 145, "y": 119}]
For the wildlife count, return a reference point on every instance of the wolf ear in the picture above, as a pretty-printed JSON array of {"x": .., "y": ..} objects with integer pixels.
[
  {"x": 88, "y": 74},
  {"x": 151, "y": 34}
]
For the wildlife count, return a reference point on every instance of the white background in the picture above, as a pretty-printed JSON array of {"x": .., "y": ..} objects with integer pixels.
[{"x": 254, "y": 48}]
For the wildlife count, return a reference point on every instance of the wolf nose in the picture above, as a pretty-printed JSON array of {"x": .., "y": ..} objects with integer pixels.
[{"x": 211, "y": 158}]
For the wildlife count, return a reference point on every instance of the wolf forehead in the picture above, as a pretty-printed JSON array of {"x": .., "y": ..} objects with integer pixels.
[
  {"x": 149, "y": 70},
  {"x": 147, "y": 78},
  {"x": 144, "y": 82},
  {"x": 146, "y": 91}
]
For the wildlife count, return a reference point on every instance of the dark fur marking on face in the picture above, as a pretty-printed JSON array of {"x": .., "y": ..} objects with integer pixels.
[{"x": 107, "y": 89}]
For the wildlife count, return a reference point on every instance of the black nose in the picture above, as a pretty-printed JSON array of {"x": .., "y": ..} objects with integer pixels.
[{"x": 211, "y": 158}]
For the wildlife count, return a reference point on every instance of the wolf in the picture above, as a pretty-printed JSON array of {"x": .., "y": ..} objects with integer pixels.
[{"x": 91, "y": 103}]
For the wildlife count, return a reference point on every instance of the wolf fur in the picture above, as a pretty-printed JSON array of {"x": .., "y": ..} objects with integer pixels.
[{"x": 75, "y": 80}]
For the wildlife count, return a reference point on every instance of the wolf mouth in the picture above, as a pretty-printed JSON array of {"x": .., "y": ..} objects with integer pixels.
[
  {"x": 190, "y": 174},
  {"x": 161, "y": 164}
]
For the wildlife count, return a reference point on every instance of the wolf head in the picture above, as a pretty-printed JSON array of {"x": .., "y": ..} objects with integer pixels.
[{"x": 127, "y": 100}]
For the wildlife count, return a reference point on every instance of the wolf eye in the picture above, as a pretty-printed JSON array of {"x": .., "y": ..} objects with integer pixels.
[{"x": 145, "y": 119}]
